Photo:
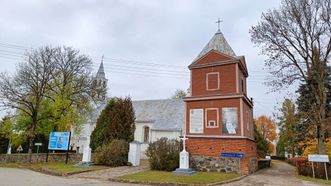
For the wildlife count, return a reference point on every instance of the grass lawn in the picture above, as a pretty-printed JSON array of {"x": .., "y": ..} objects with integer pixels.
[
  {"x": 316, "y": 180},
  {"x": 59, "y": 168},
  {"x": 169, "y": 177}
]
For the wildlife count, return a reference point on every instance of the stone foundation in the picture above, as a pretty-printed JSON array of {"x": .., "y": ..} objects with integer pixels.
[
  {"x": 41, "y": 157},
  {"x": 215, "y": 164}
]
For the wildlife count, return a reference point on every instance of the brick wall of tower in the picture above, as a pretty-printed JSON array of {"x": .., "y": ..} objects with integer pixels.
[{"x": 213, "y": 147}]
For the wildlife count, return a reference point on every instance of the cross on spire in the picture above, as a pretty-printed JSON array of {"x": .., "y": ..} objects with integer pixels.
[{"x": 219, "y": 24}]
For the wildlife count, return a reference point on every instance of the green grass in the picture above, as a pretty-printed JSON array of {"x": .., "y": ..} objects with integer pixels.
[
  {"x": 59, "y": 168},
  {"x": 169, "y": 177},
  {"x": 316, "y": 180}
]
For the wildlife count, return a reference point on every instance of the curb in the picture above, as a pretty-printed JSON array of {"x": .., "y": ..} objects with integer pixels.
[{"x": 174, "y": 184}]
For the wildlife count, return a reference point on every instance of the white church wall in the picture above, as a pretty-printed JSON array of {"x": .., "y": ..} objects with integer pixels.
[{"x": 139, "y": 132}]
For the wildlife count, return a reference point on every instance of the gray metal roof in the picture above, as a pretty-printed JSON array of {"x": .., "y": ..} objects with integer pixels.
[
  {"x": 218, "y": 43},
  {"x": 167, "y": 114}
]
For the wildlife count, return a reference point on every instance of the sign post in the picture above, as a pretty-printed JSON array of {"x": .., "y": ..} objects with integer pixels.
[
  {"x": 38, "y": 145},
  {"x": 59, "y": 141},
  {"x": 319, "y": 158}
]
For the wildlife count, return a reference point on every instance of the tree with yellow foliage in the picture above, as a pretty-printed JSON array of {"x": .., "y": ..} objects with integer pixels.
[{"x": 267, "y": 128}]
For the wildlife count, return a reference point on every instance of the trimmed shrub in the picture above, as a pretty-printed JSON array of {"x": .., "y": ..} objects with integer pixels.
[
  {"x": 164, "y": 154},
  {"x": 305, "y": 169},
  {"x": 297, "y": 161},
  {"x": 113, "y": 154}
]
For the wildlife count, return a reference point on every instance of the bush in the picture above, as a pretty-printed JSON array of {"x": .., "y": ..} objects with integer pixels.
[
  {"x": 305, "y": 169},
  {"x": 113, "y": 154},
  {"x": 116, "y": 121},
  {"x": 164, "y": 154},
  {"x": 297, "y": 161}
]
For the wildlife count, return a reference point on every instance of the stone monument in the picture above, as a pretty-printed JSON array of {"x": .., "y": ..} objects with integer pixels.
[{"x": 184, "y": 165}]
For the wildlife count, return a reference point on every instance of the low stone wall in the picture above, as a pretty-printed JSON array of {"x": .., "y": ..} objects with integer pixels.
[
  {"x": 41, "y": 157},
  {"x": 215, "y": 164},
  {"x": 253, "y": 165},
  {"x": 264, "y": 163}
]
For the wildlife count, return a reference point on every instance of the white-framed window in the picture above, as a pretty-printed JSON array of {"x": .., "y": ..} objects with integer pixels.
[
  {"x": 196, "y": 121},
  {"x": 213, "y": 81}
]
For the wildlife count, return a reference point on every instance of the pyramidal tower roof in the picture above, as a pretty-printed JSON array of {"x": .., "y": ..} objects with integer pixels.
[
  {"x": 218, "y": 43},
  {"x": 101, "y": 72}
]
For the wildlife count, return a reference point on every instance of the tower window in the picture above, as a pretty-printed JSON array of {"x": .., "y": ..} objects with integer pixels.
[
  {"x": 213, "y": 81},
  {"x": 242, "y": 85},
  {"x": 211, "y": 117}
]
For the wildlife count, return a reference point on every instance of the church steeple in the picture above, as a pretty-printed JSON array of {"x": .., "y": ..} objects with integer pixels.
[
  {"x": 100, "y": 83},
  {"x": 101, "y": 72}
]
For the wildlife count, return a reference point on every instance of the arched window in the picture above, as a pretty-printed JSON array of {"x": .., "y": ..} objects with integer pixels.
[{"x": 146, "y": 134}]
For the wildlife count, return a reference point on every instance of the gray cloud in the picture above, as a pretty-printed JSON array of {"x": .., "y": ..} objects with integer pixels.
[{"x": 165, "y": 32}]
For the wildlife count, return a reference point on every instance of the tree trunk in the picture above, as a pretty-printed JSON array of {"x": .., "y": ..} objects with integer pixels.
[
  {"x": 32, "y": 135},
  {"x": 321, "y": 142},
  {"x": 30, "y": 148}
]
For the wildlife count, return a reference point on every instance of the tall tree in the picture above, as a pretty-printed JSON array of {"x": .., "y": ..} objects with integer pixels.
[
  {"x": 50, "y": 91},
  {"x": 116, "y": 121},
  {"x": 261, "y": 143},
  {"x": 70, "y": 88},
  {"x": 27, "y": 88},
  {"x": 288, "y": 122},
  {"x": 297, "y": 39}
]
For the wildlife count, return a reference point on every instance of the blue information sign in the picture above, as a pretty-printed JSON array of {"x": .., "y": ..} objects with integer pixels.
[
  {"x": 59, "y": 141},
  {"x": 232, "y": 155}
]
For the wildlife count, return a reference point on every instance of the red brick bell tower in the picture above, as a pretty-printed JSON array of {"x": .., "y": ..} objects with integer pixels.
[{"x": 219, "y": 115}]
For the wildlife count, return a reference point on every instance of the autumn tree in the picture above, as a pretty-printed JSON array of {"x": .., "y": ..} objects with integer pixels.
[
  {"x": 261, "y": 143},
  {"x": 297, "y": 40},
  {"x": 267, "y": 129}
]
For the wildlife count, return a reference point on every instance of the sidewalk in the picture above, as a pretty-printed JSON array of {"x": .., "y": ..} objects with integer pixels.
[{"x": 111, "y": 172}]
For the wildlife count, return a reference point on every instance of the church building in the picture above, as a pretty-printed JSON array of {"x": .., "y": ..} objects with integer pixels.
[{"x": 219, "y": 114}]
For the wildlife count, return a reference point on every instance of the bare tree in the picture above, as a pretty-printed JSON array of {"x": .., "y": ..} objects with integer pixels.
[
  {"x": 71, "y": 82},
  {"x": 297, "y": 39},
  {"x": 26, "y": 89}
]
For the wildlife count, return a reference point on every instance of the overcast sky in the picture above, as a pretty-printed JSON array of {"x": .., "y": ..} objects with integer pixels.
[{"x": 147, "y": 44}]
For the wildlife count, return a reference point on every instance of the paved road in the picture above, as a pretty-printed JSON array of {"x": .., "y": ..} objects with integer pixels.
[
  {"x": 19, "y": 177},
  {"x": 279, "y": 174}
]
